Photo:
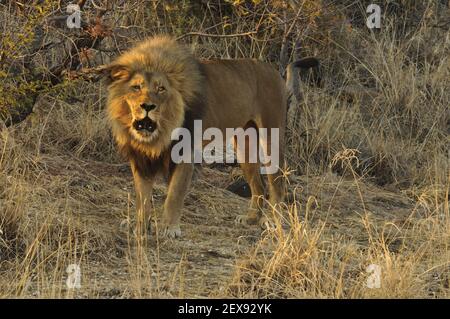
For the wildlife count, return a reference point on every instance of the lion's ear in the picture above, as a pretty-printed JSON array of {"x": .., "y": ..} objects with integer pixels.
[{"x": 116, "y": 72}]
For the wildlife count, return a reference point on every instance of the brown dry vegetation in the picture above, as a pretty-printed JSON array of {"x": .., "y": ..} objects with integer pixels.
[{"x": 369, "y": 166}]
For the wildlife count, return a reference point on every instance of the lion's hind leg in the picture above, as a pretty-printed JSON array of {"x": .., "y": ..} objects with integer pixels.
[
  {"x": 254, "y": 180},
  {"x": 250, "y": 166},
  {"x": 272, "y": 145},
  {"x": 277, "y": 181}
]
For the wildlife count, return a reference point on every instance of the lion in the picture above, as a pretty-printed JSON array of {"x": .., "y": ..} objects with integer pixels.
[{"x": 159, "y": 86}]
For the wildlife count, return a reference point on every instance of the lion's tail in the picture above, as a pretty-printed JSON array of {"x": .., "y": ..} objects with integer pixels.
[{"x": 293, "y": 80}]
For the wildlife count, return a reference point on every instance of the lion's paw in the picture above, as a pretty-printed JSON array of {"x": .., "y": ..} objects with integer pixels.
[
  {"x": 171, "y": 231},
  {"x": 266, "y": 223},
  {"x": 245, "y": 220},
  {"x": 263, "y": 222},
  {"x": 130, "y": 227}
]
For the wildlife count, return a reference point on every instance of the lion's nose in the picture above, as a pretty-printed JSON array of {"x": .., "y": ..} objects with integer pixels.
[{"x": 148, "y": 107}]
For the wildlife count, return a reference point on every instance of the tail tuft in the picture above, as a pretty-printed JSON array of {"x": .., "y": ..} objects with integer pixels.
[
  {"x": 306, "y": 63},
  {"x": 292, "y": 78},
  {"x": 293, "y": 82}
]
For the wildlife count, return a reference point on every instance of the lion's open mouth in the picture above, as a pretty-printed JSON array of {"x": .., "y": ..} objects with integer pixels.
[{"x": 145, "y": 124}]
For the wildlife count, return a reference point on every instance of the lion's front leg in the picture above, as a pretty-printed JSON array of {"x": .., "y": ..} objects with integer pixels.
[
  {"x": 144, "y": 187},
  {"x": 179, "y": 184}
]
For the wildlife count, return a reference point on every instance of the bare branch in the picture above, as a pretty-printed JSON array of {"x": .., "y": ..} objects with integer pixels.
[
  {"x": 250, "y": 33},
  {"x": 88, "y": 74}
]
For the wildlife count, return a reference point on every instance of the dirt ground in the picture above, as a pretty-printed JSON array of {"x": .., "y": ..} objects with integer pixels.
[{"x": 203, "y": 262}]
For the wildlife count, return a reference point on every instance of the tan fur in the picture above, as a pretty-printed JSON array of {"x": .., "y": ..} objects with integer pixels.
[
  {"x": 223, "y": 93},
  {"x": 163, "y": 55}
]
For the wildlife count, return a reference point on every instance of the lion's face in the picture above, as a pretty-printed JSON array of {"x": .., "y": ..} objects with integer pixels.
[
  {"x": 150, "y": 88},
  {"x": 153, "y": 108},
  {"x": 148, "y": 98}
]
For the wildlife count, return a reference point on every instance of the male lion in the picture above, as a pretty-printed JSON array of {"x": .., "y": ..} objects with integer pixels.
[{"x": 159, "y": 86}]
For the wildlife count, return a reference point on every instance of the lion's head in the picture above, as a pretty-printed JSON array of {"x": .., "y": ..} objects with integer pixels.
[{"x": 150, "y": 88}]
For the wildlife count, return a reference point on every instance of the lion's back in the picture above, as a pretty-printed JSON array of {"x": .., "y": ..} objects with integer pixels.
[{"x": 242, "y": 88}]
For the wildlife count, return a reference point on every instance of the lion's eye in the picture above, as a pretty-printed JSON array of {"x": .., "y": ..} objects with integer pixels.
[
  {"x": 161, "y": 89},
  {"x": 136, "y": 87}
]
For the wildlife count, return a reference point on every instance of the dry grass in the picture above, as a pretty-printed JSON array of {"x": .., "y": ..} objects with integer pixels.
[{"x": 369, "y": 178}]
